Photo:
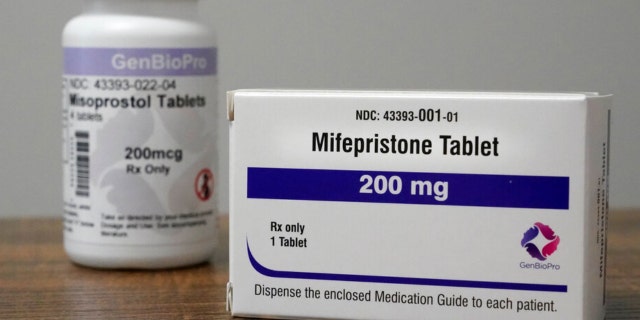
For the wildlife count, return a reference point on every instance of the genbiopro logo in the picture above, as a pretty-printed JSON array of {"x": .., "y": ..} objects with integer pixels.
[{"x": 540, "y": 241}]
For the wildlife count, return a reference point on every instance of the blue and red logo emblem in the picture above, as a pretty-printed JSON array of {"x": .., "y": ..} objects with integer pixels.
[{"x": 540, "y": 241}]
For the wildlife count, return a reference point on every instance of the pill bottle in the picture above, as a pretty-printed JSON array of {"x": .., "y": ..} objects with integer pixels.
[{"x": 139, "y": 100}]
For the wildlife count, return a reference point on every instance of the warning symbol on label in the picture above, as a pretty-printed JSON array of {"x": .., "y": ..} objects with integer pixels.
[{"x": 204, "y": 184}]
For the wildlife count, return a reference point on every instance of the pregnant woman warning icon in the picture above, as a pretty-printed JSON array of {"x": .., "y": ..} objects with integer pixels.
[{"x": 204, "y": 184}]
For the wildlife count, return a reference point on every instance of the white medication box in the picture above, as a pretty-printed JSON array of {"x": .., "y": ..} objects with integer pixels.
[{"x": 418, "y": 205}]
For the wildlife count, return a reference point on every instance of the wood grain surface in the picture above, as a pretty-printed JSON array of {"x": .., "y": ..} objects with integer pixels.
[{"x": 37, "y": 281}]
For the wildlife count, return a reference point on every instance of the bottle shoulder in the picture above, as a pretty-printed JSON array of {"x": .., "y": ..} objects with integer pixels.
[{"x": 121, "y": 30}]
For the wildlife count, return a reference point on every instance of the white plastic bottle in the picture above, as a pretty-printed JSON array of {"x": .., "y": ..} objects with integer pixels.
[{"x": 139, "y": 100}]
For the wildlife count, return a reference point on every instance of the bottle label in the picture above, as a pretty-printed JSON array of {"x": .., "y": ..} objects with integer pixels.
[{"x": 138, "y": 144}]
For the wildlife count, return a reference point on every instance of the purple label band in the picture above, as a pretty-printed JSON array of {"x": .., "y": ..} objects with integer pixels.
[
  {"x": 402, "y": 280},
  {"x": 140, "y": 61},
  {"x": 448, "y": 189}
]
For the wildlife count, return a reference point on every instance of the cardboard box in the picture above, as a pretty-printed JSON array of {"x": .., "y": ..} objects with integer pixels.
[{"x": 415, "y": 205}]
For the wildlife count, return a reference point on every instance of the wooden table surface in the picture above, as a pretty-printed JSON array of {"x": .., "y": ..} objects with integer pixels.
[{"x": 38, "y": 281}]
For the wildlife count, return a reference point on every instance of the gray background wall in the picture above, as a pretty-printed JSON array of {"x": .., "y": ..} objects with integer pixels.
[{"x": 561, "y": 45}]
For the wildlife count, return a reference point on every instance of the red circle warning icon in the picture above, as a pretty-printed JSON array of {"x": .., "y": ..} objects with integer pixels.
[{"x": 204, "y": 184}]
